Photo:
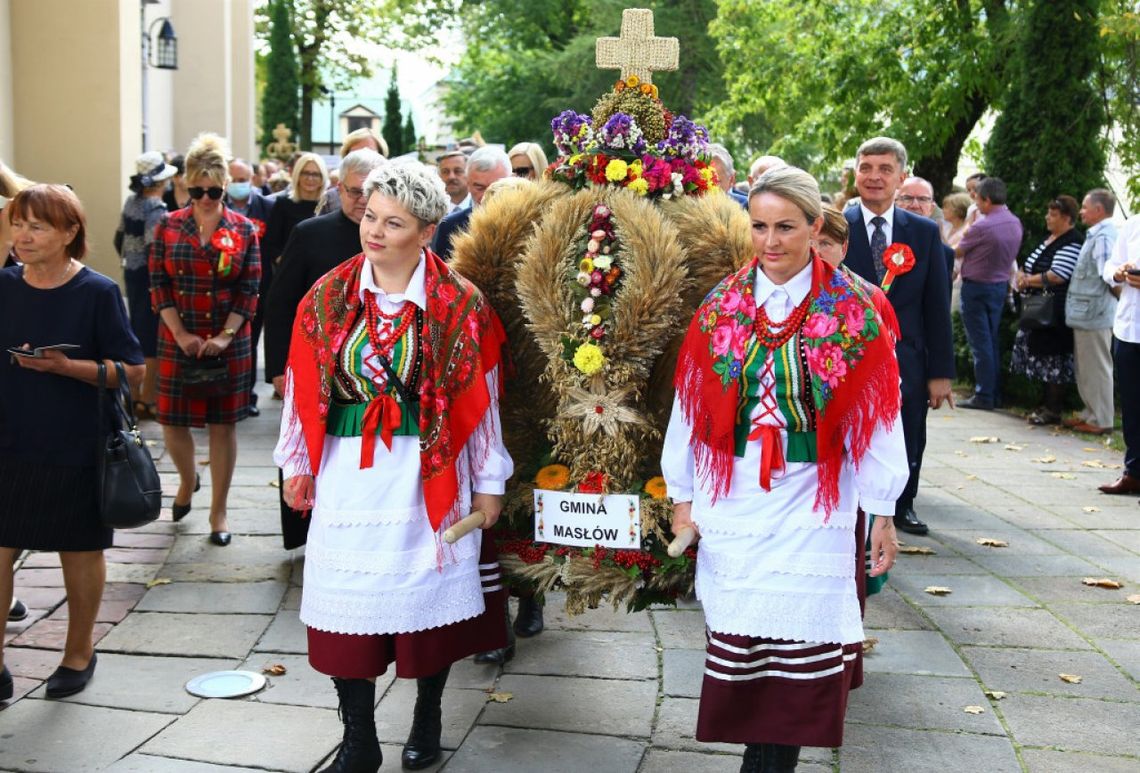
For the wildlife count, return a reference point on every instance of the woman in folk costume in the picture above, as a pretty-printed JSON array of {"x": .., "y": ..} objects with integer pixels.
[
  {"x": 785, "y": 422},
  {"x": 390, "y": 434}
]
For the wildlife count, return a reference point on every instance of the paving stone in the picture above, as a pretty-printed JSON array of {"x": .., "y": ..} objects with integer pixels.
[
  {"x": 676, "y": 728},
  {"x": 913, "y": 652},
  {"x": 604, "y": 618},
  {"x": 961, "y": 518},
  {"x": 921, "y": 703},
  {"x": 39, "y": 578},
  {"x": 1072, "y": 724},
  {"x": 1048, "y": 761},
  {"x": 1129, "y": 539},
  {"x": 1112, "y": 513},
  {"x": 1037, "y": 671},
  {"x": 39, "y": 560},
  {"x": 183, "y": 635},
  {"x": 39, "y": 598},
  {"x": 146, "y": 763},
  {"x": 136, "y": 555},
  {"x": 21, "y": 686},
  {"x": 1033, "y": 518},
  {"x": 605, "y": 654},
  {"x": 130, "y": 539},
  {"x": 292, "y": 600},
  {"x": 110, "y": 610},
  {"x": 263, "y": 524},
  {"x": 146, "y": 683},
  {"x": 1005, "y": 627},
  {"x": 1125, "y": 568},
  {"x": 1125, "y": 653},
  {"x": 394, "y": 714},
  {"x": 1054, "y": 589},
  {"x": 1084, "y": 543},
  {"x": 484, "y": 751},
  {"x": 243, "y": 550},
  {"x": 682, "y": 672},
  {"x": 666, "y": 761},
  {"x": 132, "y": 573},
  {"x": 468, "y": 674},
  {"x": 226, "y": 573},
  {"x": 393, "y": 751},
  {"x": 936, "y": 564},
  {"x": 877, "y": 749},
  {"x": 1021, "y": 542},
  {"x": 887, "y": 609},
  {"x": 249, "y": 597},
  {"x": 51, "y": 634},
  {"x": 1037, "y": 566},
  {"x": 262, "y": 735},
  {"x": 681, "y": 629},
  {"x": 54, "y": 736},
  {"x": 594, "y": 706},
  {"x": 31, "y": 663},
  {"x": 300, "y": 685},
  {"x": 122, "y": 591},
  {"x": 969, "y": 590},
  {"x": 285, "y": 634},
  {"x": 1102, "y": 621}
]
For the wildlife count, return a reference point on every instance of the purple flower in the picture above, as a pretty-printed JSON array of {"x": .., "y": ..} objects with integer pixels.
[
  {"x": 685, "y": 140},
  {"x": 571, "y": 131},
  {"x": 621, "y": 132}
]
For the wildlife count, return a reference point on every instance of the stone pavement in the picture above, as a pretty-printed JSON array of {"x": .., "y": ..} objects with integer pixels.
[{"x": 616, "y": 693}]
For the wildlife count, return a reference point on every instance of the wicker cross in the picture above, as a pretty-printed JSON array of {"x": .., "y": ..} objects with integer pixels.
[{"x": 637, "y": 52}]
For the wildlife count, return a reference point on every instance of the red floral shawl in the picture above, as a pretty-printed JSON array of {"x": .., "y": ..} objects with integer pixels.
[
  {"x": 462, "y": 341},
  {"x": 854, "y": 373}
]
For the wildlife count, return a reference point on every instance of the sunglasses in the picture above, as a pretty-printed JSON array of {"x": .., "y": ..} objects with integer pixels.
[
  {"x": 522, "y": 171},
  {"x": 214, "y": 192}
]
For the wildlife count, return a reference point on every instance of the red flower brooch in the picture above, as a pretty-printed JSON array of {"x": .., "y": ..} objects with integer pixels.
[
  {"x": 228, "y": 244},
  {"x": 898, "y": 259}
]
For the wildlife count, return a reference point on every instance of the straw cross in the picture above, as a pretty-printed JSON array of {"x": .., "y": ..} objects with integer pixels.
[{"x": 637, "y": 52}]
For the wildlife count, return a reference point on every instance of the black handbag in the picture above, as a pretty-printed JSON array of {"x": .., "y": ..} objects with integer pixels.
[
  {"x": 1040, "y": 310},
  {"x": 208, "y": 377},
  {"x": 130, "y": 492}
]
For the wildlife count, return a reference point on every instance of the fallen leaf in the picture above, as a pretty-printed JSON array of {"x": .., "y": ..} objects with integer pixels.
[
  {"x": 1113, "y": 466},
  {"x": 204, "y": 462},
  {"x": 1014, "y": 447},
  {"x": 275, "y": 483},
  {"x": 158, "y": 581},
  {"x": 990, "y": 542},
  {"x": 1047, "y": 459},
  {"x": 974, "y": 710},
  {"x": 985, "y": 439},
  {"x": 1102, "y": 582},
  {"x": 1094, "y": 463},
  {"x": 916, "y": 550},
  {"x": 959, "y": 488},
  {"x": 971, "y": 477},
  {"x": 996, "y": 695},
  {"x": 1070, "y": 678},
  {"x": 1134, "y": 598},
  {"x": 500, "y": 697},
  {"x": 937, "y": 590},
  {"x": 1089, "y": 450},
  {"x": 1063, "y": 475},
  {"x": 275, "y": 670},
  {"x": 151, "y": 443},
  {"x": 869, "y": 644},
  {"x": 1091, "y": 509},
  {"x": 961, "y": 454}
]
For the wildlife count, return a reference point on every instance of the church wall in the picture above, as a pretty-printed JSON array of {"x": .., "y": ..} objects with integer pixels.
[{"x": 7, "y": 125}]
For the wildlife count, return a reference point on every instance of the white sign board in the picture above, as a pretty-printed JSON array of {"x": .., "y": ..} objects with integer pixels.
[{"x": 586, "y": 520}]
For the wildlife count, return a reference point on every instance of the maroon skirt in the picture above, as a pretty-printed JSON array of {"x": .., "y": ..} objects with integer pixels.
[
  {"x": 422, "y": 653},
  {"x": 761, "y": 690}
]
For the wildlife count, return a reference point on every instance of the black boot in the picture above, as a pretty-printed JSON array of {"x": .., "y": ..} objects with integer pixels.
[
  {"x": 753, "y": 758},
  {"x": 529, "y": 622},
  {"x": 360, "y": 750},
  {"x": 503, "y": 654},
  {"x": 422, "y": 748},
  {"x": 780, "y": 759}
]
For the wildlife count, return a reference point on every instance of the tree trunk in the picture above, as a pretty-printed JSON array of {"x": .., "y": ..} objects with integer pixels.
[
  {"x": 940, "y": 169},
  {"x": 305, "y": 131}
]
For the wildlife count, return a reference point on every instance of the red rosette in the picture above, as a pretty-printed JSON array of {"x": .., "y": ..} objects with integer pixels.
[
  {"x": 593, "y": 483},
  {"x": 898, "y": 259},
  {"x": 226, "y": 241}
]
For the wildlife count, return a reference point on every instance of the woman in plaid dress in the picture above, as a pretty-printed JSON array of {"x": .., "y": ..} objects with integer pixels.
[{"x": 204, "y": 272}]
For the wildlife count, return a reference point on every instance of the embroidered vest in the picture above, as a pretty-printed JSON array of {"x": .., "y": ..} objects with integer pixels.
[{"x": 790, "y": 398}]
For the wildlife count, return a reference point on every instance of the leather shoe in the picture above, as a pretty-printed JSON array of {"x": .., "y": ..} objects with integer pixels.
[
  {"x": 220, "y": 538},
  {"x": 907, "y": 521},
  {"x": 7, "y": 688},
  {"x": 18, "y": 611},
  {"x": 1092, "y": 429},
  {"x": 1125, "y": 484},
  {"x": 975, "y": 403},
  {"x": 177, "y": 511},
  {"x": 67, "y": 681},
  {"x": 529, "y": 621},
  {"x": 496, "y": 657},
  {"x": 254, "y": 410}
]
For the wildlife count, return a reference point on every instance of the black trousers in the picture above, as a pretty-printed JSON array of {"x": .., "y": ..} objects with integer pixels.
[
  {"x": 915, "y": 405},
  {"x": 1127, "y": 357}
]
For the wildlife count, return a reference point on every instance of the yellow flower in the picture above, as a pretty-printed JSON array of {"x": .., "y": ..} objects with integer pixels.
[
  {"x": 655, "y": 487},
  {"x": 552, "y": 477},
  {"x": 589, "y": 359},
  {"x": 654, "y": 86},
  {"x": 586, "y": 265},
  {"x": 595, "y": 319},
  {"x": 574, "y": 159},
  {"x": 708, "y": 173},
  {"x": 636, "y": 168},
  {"x": 616, "y": 170},
  {"x": 632, "y": 81},
  {"x": 639, "y": 186}
]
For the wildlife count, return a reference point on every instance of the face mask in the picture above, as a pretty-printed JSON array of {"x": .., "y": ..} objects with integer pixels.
[{"x": 239, "y": 191}]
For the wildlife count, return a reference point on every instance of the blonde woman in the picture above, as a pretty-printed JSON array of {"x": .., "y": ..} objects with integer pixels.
[
  {"x": 310, "y": 181},
  {"x": 527, "y": 160}
]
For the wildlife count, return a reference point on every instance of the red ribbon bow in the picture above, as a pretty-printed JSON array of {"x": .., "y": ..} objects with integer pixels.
[
  {"x": 771, "y": 452},
  {"x": 383, "y": 414}
]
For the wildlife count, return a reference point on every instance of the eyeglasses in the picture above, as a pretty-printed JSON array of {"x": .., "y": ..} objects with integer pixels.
[
  {"x": 523, "y": 171},
  {"x": 353, "y": 193},
  {"x": 912, "y": 199},
  {"x": 312, "y": 175},
  {"x": 214, "y": 192}
]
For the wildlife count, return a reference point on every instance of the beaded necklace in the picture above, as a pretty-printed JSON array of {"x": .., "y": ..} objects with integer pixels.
[
  {"x": 788, "y": 327},
  {"x": 398, "y": 323}
]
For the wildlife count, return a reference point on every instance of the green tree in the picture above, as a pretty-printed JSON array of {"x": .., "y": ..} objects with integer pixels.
[
  {"x": 1118, "y": 80},
  {"x": 410, "y": 139},
  {"x": 393, "y": 126},
  {"x": 281, "y": 98},
  {"x": 1048, "y": 139},
  {"x": 823, "y": 76}
]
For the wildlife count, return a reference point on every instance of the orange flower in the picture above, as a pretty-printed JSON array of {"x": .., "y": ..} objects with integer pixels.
[
  {"x": 655, "y": 487},
  {"x": 552, "y": 477},
  {"x": 619, "y": 86},
  {"x": 647, "y": 88}
]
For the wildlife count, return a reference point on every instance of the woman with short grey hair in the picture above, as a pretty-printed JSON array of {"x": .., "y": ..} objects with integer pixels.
[{"x": 389, "y": 435}]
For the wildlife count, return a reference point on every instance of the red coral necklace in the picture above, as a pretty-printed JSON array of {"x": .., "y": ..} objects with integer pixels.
[{"x": 788, "y": 327}]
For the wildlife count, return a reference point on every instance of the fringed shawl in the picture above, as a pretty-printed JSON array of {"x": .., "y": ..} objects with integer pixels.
[{"x": 851, "y": 359}]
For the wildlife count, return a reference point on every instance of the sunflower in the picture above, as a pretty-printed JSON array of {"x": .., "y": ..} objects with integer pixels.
[
  {"x": 655, "y": 487},
  {"x": 552, "y": 477}
]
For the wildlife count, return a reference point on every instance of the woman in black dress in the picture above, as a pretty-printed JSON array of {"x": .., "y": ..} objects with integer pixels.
[{"x": 49, "y": 416}]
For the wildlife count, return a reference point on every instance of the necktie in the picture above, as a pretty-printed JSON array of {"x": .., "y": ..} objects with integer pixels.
[{"x": 878, "y": 245}]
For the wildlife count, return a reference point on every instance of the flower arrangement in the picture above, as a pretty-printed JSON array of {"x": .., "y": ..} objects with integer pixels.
[
  {"x": 228, "y": 243},
  {"x": 594, "y": 283}
]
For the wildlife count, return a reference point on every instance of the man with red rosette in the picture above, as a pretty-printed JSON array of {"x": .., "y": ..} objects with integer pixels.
[{"x": 902, "y": 253}]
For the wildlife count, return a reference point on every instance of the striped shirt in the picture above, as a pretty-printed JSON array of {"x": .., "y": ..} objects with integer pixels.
[{"x": 1064, "y": 260}]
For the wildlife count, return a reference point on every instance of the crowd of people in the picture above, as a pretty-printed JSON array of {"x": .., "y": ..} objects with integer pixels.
[{"x": 368, "y": 333}]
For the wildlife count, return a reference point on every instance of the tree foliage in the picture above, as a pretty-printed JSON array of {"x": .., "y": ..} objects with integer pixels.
[
  {"x": 1119, "y": 82},
  {"x": 411, "y": 141},
  {"x": 1048, "y": 138},
  {"x": 281, "y": 98},
  {"x": 393, "y": 127}
]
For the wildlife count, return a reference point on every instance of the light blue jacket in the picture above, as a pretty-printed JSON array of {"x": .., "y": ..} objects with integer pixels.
[{"x": 1090, "y": 304}]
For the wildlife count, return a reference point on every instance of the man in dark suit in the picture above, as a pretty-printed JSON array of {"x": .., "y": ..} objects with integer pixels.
[
  {"x": 486, "y": 165},
  {"x": 919, "y": 297},
  {"x": 316, "y": 246}
]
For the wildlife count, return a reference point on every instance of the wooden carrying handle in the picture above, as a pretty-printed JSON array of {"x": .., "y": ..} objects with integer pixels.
[
  {"x": 464, "y": 527},
  {"x": 685, "y": 537}
]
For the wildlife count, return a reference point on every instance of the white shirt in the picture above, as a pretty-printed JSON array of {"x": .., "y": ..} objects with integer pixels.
[
  {"x": 465, "y": 203},
  {"x": 1126, "y": 326},
  {"x": 888, "y": 227},
  {"x": 767, "y": 564}
]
